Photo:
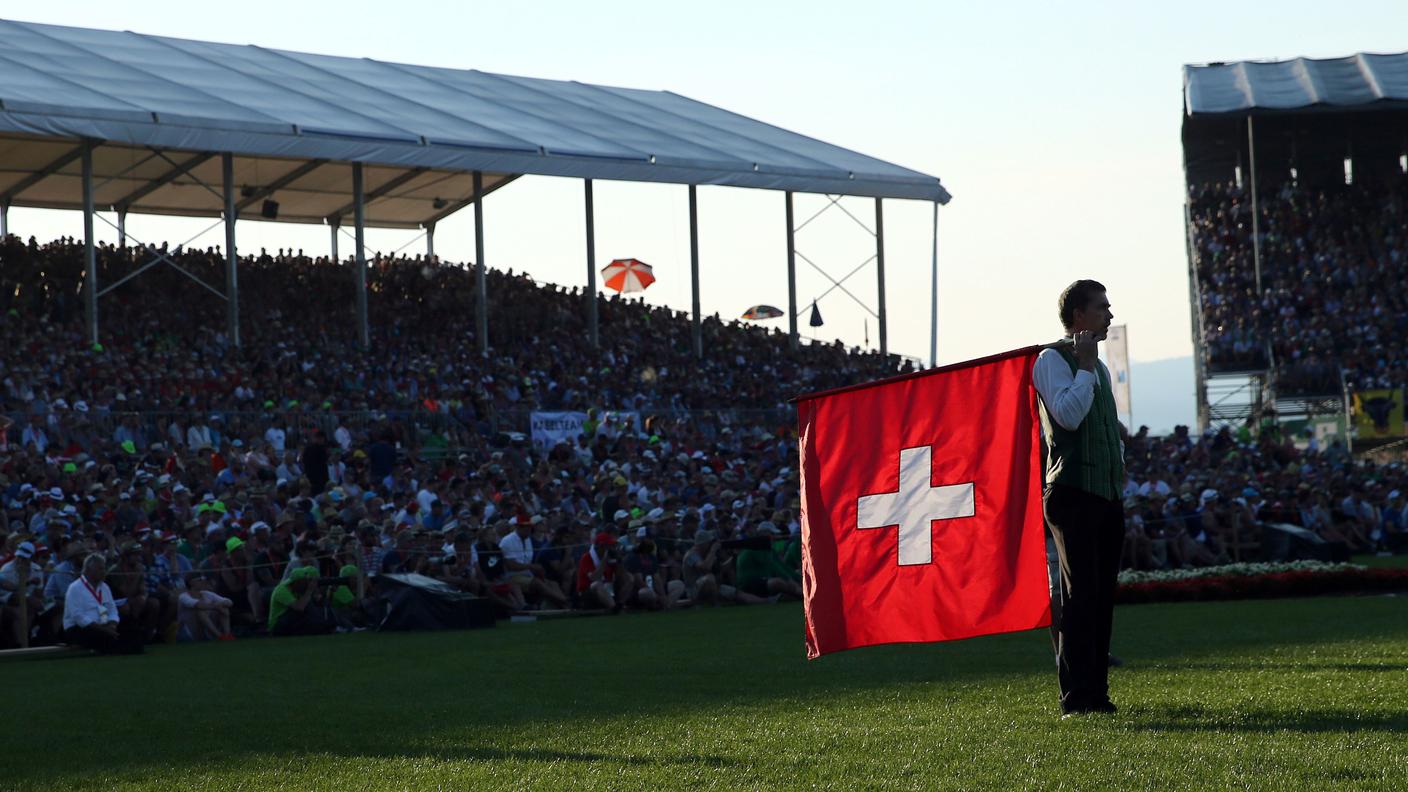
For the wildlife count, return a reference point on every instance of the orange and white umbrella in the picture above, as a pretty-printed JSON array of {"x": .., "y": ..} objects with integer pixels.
[{"x": 627, "y": 275}]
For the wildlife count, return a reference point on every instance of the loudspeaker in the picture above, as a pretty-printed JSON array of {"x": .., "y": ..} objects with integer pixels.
[{"x": 270, "y": 210}]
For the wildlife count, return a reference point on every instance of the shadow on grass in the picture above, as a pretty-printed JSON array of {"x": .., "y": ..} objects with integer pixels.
[
  {"x": 1193, "y": 718},
  {"x": 524, "y": 693}
]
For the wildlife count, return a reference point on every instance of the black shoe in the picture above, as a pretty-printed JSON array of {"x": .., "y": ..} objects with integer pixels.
[
  {"x": 1107, "y": 707},
  {"x": 1114, "y": 661}
]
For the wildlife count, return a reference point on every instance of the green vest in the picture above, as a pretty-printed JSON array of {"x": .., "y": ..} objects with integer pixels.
[{"x": 1088, "y": 458}]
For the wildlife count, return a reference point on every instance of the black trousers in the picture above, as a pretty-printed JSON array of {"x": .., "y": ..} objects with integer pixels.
[
  {"x": 1089, "y": 535},
  {"x": 125, "y": 642},
  {"x": 312, "y": 620}
]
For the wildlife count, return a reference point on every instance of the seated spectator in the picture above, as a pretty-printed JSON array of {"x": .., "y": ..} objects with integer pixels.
[
  {"x": 348, "y": 601},
  {"x": 139, "y": 611},
  {"x": 91, "y": 618},
  {"x": 529, "y": 576},
  {"x": 651, "y": 590},
  {"x": 601, "y": 582},
  {"x": 21, "y": 587},
  {"x": 761, "y": 572},
  {"x": 204, "y": 615},
  {"x": 294, "y": 607},
  {"x": 492, "y": 570}
]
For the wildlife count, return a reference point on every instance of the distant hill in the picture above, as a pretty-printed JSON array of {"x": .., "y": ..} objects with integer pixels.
[{"x": 1162, "y": 394}]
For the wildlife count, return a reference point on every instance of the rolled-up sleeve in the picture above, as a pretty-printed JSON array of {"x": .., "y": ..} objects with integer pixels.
[{"x": 1067, "y": 397}]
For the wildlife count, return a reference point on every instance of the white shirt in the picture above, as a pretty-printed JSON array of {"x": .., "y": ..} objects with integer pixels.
[
  {"x": 198, "y": 437},
  {"x": 343, "y": 438},
  {"x": 1067, "y": 396},
  {"x": 275, "y": 437},
  {"x": 516, "y": 548},
  {"x": 82, "y": 609},
  {"x": 11, "y": 574}
]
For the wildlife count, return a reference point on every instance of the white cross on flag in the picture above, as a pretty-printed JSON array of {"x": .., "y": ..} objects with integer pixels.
[{"x": 921, "y": 507}]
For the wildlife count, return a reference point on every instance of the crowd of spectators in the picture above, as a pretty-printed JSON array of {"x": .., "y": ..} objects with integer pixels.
[
  {"x": 167, "y": 485},
  {"x": 1330, "y": 258},
  {"x": 182, "y": 487},
  {"x": 1200, "y": 501}
]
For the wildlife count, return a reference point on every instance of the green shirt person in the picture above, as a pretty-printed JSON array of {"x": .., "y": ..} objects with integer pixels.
[{"x": 292, "y": 594}]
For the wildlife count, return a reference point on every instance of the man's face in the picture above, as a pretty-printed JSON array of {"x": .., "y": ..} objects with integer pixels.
[{"x": 1095, "y": 317}]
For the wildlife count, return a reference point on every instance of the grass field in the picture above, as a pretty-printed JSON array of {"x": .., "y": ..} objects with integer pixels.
[{"x": 1288, "y": 694}]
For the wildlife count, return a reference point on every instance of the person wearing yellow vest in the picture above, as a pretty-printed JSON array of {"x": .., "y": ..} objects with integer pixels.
[{"x": 1082, "y": 499}]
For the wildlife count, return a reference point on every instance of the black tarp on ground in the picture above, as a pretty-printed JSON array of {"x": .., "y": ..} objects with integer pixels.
[{"x": 417, "y": 602}]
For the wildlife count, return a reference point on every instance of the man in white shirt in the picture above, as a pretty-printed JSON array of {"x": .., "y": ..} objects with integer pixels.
[
  {"x": 90, "y": 614},
  {"x": 277, "y": 437},
  {"x": 1085, "y": 476},
  {"x": 531, "y": 578}
]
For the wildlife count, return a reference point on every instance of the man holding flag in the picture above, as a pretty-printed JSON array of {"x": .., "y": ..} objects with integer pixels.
[
  {"x": 922, "y": 504},
  {"x": 1084, "y": 479}
]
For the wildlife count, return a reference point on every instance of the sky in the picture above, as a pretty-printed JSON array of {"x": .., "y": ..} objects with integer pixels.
[{"x": 1054, "y": 125}]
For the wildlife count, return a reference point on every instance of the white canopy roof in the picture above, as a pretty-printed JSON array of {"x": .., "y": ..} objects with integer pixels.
[{"x": 161, "y": 110}]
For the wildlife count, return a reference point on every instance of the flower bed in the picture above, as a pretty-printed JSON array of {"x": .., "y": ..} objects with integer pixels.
[
  {"x": 1258, "y": 581},
  {"x": 1129, "y": 576}
]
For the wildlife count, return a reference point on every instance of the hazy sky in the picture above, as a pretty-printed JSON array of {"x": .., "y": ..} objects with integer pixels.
[{"x": 1055, "y": 126}]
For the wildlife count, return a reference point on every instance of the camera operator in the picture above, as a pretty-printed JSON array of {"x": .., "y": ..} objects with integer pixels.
[{"x": 294, "y": 607}]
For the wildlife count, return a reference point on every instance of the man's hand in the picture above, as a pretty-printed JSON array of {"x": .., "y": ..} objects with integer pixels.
[{"x": 1087, "y": 349}]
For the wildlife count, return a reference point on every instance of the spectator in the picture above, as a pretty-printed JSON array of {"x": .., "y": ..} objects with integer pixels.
[
  {"x": 530, "y": 577},
  {"x": 293, "y": 607},
  {"x": 91, "y": 618},
  {"x": 21, "y": 587},
  {"x": 204, "y": 615},
  {"x": 600, "y": 580}
]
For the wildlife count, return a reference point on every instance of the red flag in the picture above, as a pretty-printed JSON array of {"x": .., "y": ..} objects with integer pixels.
[{"x": 921, "y": 507}]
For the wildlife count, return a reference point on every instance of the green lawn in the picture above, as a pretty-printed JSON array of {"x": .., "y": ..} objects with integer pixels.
[{"x": 1287, "y": 694}]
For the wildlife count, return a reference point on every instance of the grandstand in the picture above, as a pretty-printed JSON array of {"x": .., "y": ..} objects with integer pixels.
[
  {"x": 184, "y": 451},
  {"x": 1295, "y": 177}
]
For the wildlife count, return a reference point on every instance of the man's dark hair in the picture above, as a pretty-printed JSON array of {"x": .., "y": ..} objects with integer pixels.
[{"x": 1077, "y": 295}]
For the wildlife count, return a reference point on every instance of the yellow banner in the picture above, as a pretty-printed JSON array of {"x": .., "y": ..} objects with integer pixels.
[{"x": 1378, "y": 414}]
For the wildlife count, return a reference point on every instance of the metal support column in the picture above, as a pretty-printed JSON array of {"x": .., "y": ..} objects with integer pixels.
[
  {"x": 934, "y": 293},
  {"x": 122, "y": 228},
  {"x": 336, "y": 229},
  {"x": 430, "y": 241},
  {"x": 364, "y": 333},
  {"x": 880, "y": 274},
  {"x": 694, "y": 269},
  {"x": 1256, "y": 208},
  {"x": 232, "y": 280},
  {"x": 592, "y": 330},
  {"x": 791, "y": 276},
  {"x": 481, "y": 278},
  {"x": 90, "y": 255},
  {"x": 4, "y": 220}
]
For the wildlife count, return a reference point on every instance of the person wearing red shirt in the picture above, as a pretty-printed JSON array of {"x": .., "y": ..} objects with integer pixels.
[{"x": 600, "y": 578}]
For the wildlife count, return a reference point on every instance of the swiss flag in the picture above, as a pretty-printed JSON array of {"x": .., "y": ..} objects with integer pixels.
[{"x": 921, "y": 507}]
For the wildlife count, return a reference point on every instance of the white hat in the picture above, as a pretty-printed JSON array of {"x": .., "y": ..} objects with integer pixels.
[
  {"x": 642, "y": 532},
  {"x": 25, "y": 550},
  {"x": 1208, "y": 494},
  {"x": 620, "y": 514},
  {"x": 56, "y": 493},
  {"x": 738, "y": 504},
  {"x": 655, "y": 515}
]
